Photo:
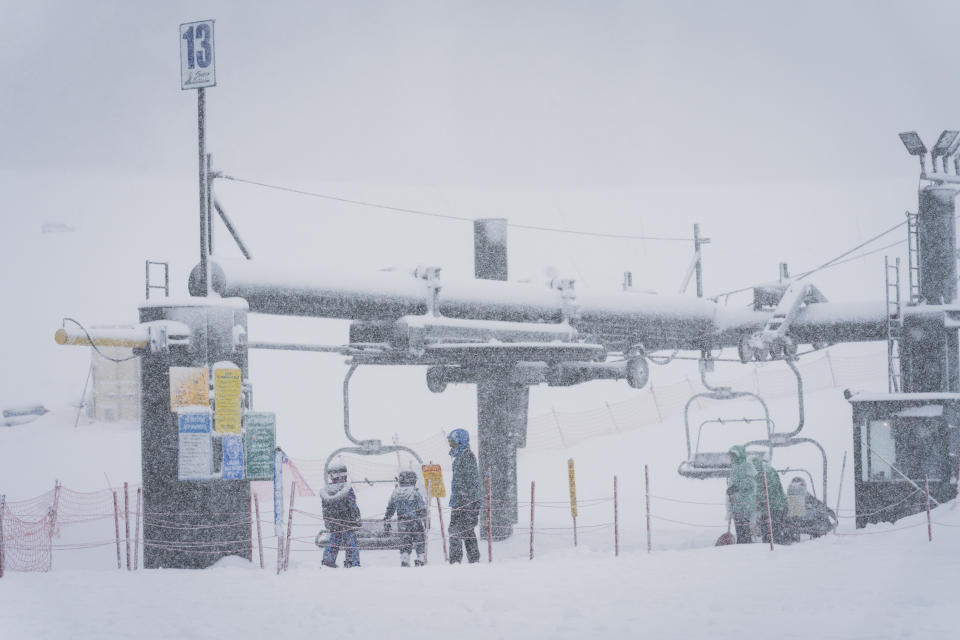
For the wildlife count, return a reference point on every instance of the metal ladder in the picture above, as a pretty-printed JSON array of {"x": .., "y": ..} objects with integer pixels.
[
  {"x": 894, "y": 323},
  {"x": 913, "y": 256},
  {"x": 166, "y": 279}
]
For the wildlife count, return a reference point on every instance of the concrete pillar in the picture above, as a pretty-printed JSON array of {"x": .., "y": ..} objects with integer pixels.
[{"x": 173, "y": 509}]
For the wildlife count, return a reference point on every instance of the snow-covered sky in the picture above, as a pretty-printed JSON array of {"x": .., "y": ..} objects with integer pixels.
[{"x": 541, "y": 93}]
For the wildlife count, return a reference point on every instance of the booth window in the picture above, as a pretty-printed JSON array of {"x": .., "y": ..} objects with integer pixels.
[{"x": 878, "y": 444}]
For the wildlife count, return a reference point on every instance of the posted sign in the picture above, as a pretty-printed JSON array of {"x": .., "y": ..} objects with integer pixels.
[
  {"x": 227, "y": 393},
  {"x": 260, "y": 429},
  {"x": 197, "y": 65},
  {"x": 195, "y": 448},
  {"x": 573, "y": 488},
  {"x": 232, "y": 466},
  {"x": 433, "y": 476}
]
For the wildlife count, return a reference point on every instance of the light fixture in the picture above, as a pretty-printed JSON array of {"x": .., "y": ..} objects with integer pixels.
[
  {"x": 915, "y": 147},
  {"x": 944, "y": 143}
]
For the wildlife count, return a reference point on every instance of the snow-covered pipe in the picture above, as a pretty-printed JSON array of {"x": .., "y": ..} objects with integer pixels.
[{"x": 617, "y": 319}]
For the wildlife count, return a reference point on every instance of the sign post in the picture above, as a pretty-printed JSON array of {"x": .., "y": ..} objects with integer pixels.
[
  {"x": 433, "y": 477},
  {"x": 198, "y": 71}
]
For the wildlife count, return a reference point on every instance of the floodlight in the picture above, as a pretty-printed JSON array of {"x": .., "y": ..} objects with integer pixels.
[
  {"x": 911, "y": 140},
  {"x": 944, "y": 143},
  {"x": 915, "y": 147}
]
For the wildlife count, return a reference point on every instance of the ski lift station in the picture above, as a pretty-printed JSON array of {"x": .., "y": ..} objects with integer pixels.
[{"x": 200, "y": 446}]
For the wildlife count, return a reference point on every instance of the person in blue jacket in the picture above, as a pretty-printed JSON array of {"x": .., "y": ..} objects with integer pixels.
[
  {"x": 411, "y": 509},
  {"x": 465, "y": 498},
  {"x": 341, "y": 517}
]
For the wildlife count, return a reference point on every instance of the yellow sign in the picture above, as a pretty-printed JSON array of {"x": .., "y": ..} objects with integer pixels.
[
  {"x": 189, "y": 386},
  {"x": 227, "y": 414},
  {"x": 433, "y": 476},
  {"x": 573, "y": 488}
]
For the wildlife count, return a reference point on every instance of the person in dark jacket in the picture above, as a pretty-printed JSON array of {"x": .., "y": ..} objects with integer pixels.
[
  {"x": 411, "y": 509},
  {"x": 464, "y": 498},
  {"x": 778, "y": 502},
  {"x": 341, "y": 516},
  {"x": 742, "y": 493}
]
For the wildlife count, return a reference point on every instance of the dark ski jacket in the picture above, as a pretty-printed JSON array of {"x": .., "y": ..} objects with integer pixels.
[
  {"x": 465, "y": 493},
  {"x": 340, "y": 510},
  {"x": 409, "y": 506}
]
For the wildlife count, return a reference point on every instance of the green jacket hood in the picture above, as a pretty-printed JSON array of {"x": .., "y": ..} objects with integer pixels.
[{"x": 739, "y": 452}]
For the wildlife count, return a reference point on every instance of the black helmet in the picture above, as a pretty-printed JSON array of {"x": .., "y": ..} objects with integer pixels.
[{"x": 408, "y": 478}]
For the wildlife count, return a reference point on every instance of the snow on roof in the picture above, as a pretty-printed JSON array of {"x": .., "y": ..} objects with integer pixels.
[{"x": 904, "y": 397}]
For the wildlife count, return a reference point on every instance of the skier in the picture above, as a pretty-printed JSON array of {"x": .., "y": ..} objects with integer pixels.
[
  {"x": 778, "y": 502},
  {"x": 411, "y": 509},
  {"x": 464, "y": 498},
  {"x": 742, "y": 493},
  {"x": 341, "y": 516}
]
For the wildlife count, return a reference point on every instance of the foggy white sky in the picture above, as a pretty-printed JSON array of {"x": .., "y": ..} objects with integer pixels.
[{"x": 483, "y": 93}]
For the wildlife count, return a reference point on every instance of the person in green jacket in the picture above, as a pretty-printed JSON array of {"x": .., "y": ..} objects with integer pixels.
[
  {"x": 742, "y": 493},
  {"x": 778, "y": 502}
]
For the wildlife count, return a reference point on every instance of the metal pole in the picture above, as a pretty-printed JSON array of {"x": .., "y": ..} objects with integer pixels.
[
  {"x": 489, "y": 519},
  {"x": 926, "y": 488},
  {"x": 616, "y": 427},
  {"x": 76, "y": 423},
  {"x": 766, "y": 495},
  {"x": 256, "y": 506},
  {"x": 136, "y": 536},
  {"x": 532, "y": 494},
  {"x": 646, "y": 478},
  {"x": 843, "y": 467},
  {"x": 3, "y": 506},
  {"x": 286, "y": 549},
  {"x": 126, "y": 520},
  {"x": 442, "y": 534},
  {"x": 201, "y": 122},
  {"x": 116, "y": 525},
  {"x": 250, "y": 530},
  {"x": 616, "y": 521},
  {"x": 209, "y": 209},
  {"x": 699, "y": 266}
]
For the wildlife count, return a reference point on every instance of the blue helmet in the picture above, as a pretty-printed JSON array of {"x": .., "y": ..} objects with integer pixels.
[{"x": 459, "y": 438}]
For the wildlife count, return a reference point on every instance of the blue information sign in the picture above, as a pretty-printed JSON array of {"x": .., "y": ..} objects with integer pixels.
[{"x": 232, "y": 466}]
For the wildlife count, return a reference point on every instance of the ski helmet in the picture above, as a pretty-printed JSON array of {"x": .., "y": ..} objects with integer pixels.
[
  {"x": 337, "y": 473},
  {"x": 459, "y": 437},
  {"x": 408, "y": 478}
]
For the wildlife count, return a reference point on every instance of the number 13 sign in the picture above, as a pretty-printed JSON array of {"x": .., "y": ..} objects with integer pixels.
[{"x": 197, "y": 68}]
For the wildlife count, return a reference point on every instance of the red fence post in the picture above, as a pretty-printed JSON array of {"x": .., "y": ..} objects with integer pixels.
[
  {"x": 286, "y": 550},
  {"x": 443, "y": 535},
  {"x": 136, "y": 536},
  {"x": 532, "y": 493},
  {"x": 926, "y": 489},
  {"x": 489, "y": 519},
  {"x": 56, "y": 505},
  {"x": 766, "y": 495},
  {"x": 256, "y": 506},
  {"x": 126, "y": 520},
  {"x": 616, "y": 521},
  {"x": 116, "y": 525},
  {"x": 646, "y": 477}
]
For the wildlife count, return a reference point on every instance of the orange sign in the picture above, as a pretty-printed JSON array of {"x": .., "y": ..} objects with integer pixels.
[
  {"x": 433, "y": 477},
  {"x": 189, "y": 386}
]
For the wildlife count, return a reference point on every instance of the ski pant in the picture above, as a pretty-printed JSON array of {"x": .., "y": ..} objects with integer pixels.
[
  {"x": 411, "y": 535},
  {"x": 346, "y": 540},
  {"x": 462, "y": 530},
  {"x": 777, "y": 520},
  {"x": 742, "y": 524}
]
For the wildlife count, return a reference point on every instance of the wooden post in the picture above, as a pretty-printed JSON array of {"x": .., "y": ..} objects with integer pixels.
[
  {"x": 646, "y": 477},
  {"x": 572, "y": 480},
  {"x": 126, "y": 520},
  {"x": 926, "y": 488},
  {"x": 766, "y": 496},
  {"x": 286, "y": 549},
  {"x": 532, "y": 494},
  {"x": 256, "y": 507},
  {"x": 443, "y": 535},
  {"x": 136, "y": 535},
  {"x": 843, "y": 467},
  {"x": 616, "y": 521},
  {"x": 116, "y": 525},
  {"x": 489, "y": 519}
]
